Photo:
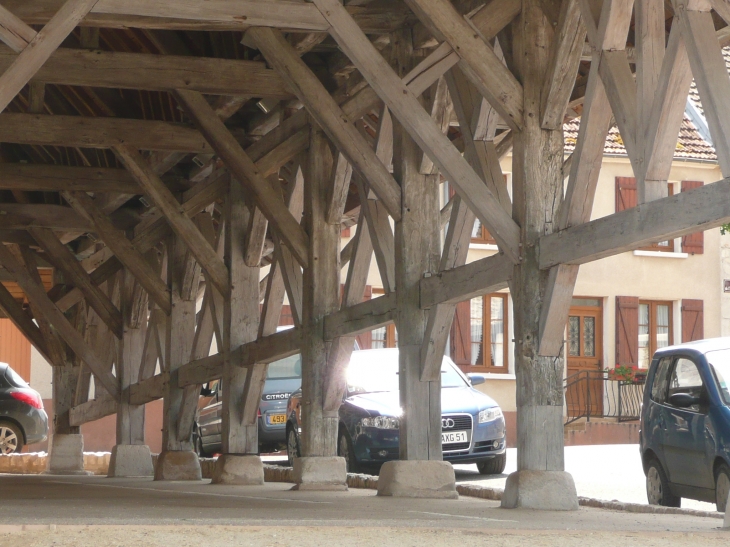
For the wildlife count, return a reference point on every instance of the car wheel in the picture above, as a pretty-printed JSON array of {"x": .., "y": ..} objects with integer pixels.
[
  {"x": 11, "y": 438},
  {"x": 495, "y": 466},
  {"x": 657, "y": 487},
  {"x": 198, "y": 444},
  {"x": 722, "y": 487},
  {"x": 345, "y": 450},
  {"x": 292, "y": 446}
]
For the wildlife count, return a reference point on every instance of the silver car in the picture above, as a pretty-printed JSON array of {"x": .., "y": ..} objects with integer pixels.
[{"x": 282, "y": 379}]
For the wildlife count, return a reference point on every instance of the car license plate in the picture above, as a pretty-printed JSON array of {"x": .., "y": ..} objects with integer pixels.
[
  {"x": 454, "y": 437},
  {"x": 275, "y": 419}
]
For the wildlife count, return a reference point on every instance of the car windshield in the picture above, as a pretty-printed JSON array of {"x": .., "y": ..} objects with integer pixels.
[
  {"x": 14, "y": 378},
  {"x": 376, "y": 371},
  {"x": 285, "y": 369},
  {"x": 720, "y": 363}
]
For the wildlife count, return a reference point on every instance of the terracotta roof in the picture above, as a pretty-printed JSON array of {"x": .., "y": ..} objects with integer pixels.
[{"x": 690, "y": 144}]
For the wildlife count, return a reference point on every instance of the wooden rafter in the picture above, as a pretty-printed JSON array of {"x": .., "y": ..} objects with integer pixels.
[{"x": 405, "y": 106}]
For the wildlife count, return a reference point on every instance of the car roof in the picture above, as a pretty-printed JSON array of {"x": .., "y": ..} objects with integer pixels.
[{"x": 700, "y": 346}]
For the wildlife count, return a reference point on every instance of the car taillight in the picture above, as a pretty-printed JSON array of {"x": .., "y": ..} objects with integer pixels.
[
  {"x": 258, "y": 413},
  {"x": 28, "y": 397}
]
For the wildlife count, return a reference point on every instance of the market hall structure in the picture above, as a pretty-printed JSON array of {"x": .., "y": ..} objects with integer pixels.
[{"x": 161, "y": 155}]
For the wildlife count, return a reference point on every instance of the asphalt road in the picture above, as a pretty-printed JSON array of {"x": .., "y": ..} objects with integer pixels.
[{"x": 608, "y": 472}]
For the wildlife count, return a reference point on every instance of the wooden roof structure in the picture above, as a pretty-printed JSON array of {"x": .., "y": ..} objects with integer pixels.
[{"x": 154, "y": 151}]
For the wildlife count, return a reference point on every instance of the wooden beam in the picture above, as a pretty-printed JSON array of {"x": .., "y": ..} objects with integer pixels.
[
  {"x": 685, "y": 213},
  {"x": 360, "y": 318},
  {"x": 474, "y": 279},
  {"x": 40, "y": 47},
  {"x": 55, "y": 178},
  {"x": 478, "y": 60},
  {"x": 14, "y": 32},
  {"x": 565, "y": 57},
  {"x": 37, "y": 294},
  {"x": 100, "y": 133},
  {"x": 151, "y": 232},
  {"x": 121, "y": 70},
  {"x": 216, "y": 15},
  {"x": 176, "y": 217},
  {"x": 405, "y": 106},
  {"x": 665, "y": 117},
  {"x": 91, "y": 411},
  {"x": 329, "y": 116},
  {"x": 21, "y": 216},
  {"x": 124, "y": 250},
  {"x": 265, "y": 349},
  {"x": 23, "y": 322},
  {"x": 711, "y": 76},
  {"x": 243, "y": 167},
  {"x": 64, "y": 259}
]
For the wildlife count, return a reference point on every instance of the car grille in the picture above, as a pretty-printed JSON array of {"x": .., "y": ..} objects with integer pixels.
[{"x": 462, "y": 422}]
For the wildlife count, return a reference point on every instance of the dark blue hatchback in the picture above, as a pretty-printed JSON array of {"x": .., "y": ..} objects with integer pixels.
[
  {"x": 685, "y": 424},
  {"x": 472, "y": 424}
]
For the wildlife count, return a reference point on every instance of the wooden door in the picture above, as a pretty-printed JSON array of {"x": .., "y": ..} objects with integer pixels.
[{"x": 584, "y": 348}]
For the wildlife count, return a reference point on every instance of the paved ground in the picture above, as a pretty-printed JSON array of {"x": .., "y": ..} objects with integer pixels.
[
  {"x": 40, "y": 510},
  {"x": 608, "y": 472}
]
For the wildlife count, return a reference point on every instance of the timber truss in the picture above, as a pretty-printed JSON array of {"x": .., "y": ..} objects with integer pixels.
[{"x": 158, "y": 170}]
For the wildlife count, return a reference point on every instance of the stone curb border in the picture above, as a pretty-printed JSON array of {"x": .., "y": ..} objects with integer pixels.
[
  {"x": 275, "y": 473},
  {"x": 35, "y": 463}
]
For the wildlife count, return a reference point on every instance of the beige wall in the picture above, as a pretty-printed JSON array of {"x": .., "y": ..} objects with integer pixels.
[{"x": 648, "y": 277}]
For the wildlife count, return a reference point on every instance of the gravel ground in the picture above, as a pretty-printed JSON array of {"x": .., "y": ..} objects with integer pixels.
[
  {"x": 309, "y": 536},
  {"x": 608, "y": 472}
]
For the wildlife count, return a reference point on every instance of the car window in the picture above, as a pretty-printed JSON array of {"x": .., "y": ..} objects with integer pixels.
[
  {"x": 686, "y": 379},
  {"x": 719, "y": 362},
  {"x": 661, "y": 381},
  {"x": 14, "y": 378},
  {"x": 287, "y": 368}
]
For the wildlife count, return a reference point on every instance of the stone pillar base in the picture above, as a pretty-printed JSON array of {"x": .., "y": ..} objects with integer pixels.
[
  {"x": 542, "y": 490},
  {"x": 320, "y": 473},
  {"x": 66, "y": 455},
  {"x": 242, "y": 470},
  {"x": 178, "y": 465},
  {"x": 417, "y": 479},
  {"x": 131, "y": 460}
]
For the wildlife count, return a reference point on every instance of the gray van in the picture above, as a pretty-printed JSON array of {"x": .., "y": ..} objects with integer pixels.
[{"x": 282, "y": 379}]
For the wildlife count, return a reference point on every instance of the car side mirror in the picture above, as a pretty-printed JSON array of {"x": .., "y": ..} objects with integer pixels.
[
  {"x": 683, "y": 400},
  {"x": 476, "y": 379}
]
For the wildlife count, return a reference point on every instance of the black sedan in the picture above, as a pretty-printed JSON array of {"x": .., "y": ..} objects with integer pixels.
[
  {"x": 22, "y": 418},
  {"x": 472, "y": 424}
]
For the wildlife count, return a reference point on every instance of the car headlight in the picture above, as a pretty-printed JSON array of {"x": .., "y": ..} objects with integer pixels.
[
  {"x": 381, "y": 422},
  {"x": 489, "y": 414}
]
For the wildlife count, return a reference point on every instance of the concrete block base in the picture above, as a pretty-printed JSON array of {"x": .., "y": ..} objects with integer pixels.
[
  {"x": 66, "y": 455},
  {"x": 242, "y": 470},
  {"x": 417, "y": 479},
  {"x": 541, "y": 490},
  {"x": 131, "y": 460},
  {"x": 320, "y": 473},
  {"x": 174, "y": 465}
]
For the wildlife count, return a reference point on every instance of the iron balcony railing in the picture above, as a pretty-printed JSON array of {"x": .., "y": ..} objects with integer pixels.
[{"x": 594, "y": 394}]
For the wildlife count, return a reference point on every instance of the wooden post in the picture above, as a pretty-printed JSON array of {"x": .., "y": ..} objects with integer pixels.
[
  {"x": 319, "y": 467},
  {"x": 417, "y": 252},
  {"x": 131, "y": 457},
  {"x": 239, "y": 463},
  {"x": 540, "y": 481},
  {"x": 321, "y": 296},
  {"x": 177, "y": 460}
]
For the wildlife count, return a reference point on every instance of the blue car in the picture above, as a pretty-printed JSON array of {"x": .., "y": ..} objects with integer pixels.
[
  {"x": 472, "y": 424},
  {"x": 685, "y": 424}
]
